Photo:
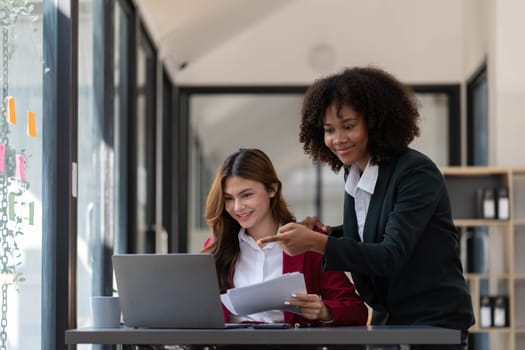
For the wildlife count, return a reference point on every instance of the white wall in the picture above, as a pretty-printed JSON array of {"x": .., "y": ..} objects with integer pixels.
[
  {"x": 420, "y": 41},
  {"x": 507, "y": 84},
  {"x": 477, "y": 24}
]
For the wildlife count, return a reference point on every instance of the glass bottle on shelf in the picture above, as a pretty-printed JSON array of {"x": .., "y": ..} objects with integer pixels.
[
  {"x": 485, "y": 312},
  {"x": 503, "y": 203},
  {"x": 500, "y": 311},
  {"x": 487, "y": 203}
]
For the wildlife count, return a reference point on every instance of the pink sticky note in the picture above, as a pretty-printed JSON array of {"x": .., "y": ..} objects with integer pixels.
[
  {"x": 2, "y": 157},
  {"x": 19, "y": 167}
]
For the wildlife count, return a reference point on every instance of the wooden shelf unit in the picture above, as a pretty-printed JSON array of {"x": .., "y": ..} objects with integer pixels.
[{"x": 504, "y": 259}]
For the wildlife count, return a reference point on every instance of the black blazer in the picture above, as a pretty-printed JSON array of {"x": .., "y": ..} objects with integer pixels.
[{"x": 408, "y": 264}]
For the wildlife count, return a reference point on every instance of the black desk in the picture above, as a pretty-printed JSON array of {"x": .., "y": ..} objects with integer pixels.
[{"x": 320, "y": 336}]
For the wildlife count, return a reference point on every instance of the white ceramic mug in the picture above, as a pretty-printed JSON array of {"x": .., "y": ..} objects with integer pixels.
[{"x": 105, "y": 312}]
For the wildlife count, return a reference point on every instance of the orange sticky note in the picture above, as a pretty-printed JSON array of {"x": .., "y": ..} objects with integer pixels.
[
  {"x": 11, "y": 112},
  {"x": 31, "y": 124}
]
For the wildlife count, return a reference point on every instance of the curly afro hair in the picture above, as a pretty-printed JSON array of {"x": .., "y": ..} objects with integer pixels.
[{"x": 389, "y": 108}]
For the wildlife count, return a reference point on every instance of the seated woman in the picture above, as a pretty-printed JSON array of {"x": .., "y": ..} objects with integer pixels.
[{"x": 245, "y": 203}]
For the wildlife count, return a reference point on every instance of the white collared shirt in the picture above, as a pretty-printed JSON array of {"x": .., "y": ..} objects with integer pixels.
[
  {"x": 361, "y": 187},
  {"x": 255, "y": 265}
]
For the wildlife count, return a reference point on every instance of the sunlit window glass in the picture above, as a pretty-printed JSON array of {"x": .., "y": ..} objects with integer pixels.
[
  {"x": 21, "y": 77},
  {"x": 89, "y": 135}
]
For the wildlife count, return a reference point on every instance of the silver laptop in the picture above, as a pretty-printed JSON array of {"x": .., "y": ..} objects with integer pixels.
[{"x": 168, "y": 290}]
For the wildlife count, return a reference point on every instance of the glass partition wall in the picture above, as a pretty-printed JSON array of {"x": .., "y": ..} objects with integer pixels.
[
  {"x": 103, "y": 122},
  {"x": 21, "y": 122},
  {"x": 97, "y": 157}
]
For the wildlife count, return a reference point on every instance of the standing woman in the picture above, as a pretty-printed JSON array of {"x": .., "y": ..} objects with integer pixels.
[
  {"x": 398, "y": 238},
  {"x": 245, "y": 204}
]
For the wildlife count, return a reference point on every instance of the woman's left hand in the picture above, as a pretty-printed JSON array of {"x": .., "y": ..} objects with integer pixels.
[{"x": 311, "y": 305}]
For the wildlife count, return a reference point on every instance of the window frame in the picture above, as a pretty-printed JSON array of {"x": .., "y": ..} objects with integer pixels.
[{"x": 59, "y": 135}]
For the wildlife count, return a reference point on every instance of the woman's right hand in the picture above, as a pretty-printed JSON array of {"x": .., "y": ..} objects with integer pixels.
[{"x": 295, "y": 238}]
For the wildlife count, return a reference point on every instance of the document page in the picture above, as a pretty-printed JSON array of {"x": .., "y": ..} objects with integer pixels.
[{"x": 264, "y": 296}]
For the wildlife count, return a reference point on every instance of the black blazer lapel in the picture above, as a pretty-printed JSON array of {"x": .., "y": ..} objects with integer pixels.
[
  {"x": 370, "y": 232},
  {"x": 350, "y": 220}
]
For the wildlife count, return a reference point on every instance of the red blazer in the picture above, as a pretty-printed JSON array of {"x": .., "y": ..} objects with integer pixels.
[{"x": 333, "y": 286}]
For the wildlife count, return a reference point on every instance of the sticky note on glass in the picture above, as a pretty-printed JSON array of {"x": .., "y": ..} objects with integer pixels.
[
  {"x": 2, "y": 157},
  {"x": 19, "y": 167},
  {"x": 11, "y": 111},
  {"x": 31, "y": 124}
]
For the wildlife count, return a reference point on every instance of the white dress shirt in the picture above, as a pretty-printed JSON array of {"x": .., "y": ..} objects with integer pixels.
[
  {"x": 361, "y": 187},
  {"x": 255, "y": 265}
]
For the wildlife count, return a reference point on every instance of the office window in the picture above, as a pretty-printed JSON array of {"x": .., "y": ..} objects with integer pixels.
[
  {"x": 21, "y": 72},
  {"x": 122, "y": 28},
  {"x": 103, "y": 109},
  {"x": 100, "y": 129},
  {"x": 143, "y": 147},
  {"x": 477, "y": 119},
  {"x": 90, "y": 148}
]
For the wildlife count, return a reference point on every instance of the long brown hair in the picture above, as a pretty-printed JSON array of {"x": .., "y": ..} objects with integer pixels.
[{"x": 248, "y": 163}]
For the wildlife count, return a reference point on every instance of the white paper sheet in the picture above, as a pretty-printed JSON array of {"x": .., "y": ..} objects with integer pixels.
[{"x": 264, "y": 296}]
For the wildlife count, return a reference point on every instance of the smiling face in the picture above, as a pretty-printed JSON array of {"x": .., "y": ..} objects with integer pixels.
[
  {"x": 346, "y": 135},
  {"x": 248, "y": 202}
]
